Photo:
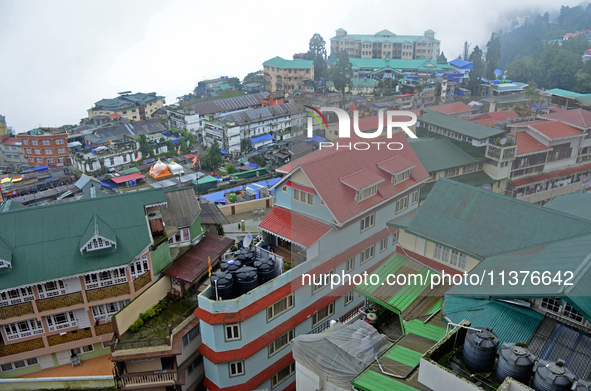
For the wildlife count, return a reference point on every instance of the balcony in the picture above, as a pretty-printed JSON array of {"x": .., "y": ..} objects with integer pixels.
[
  {"x": 142, "y": 281},
  {"x": 68, "y": 337},
  {"x": 16, "y": 310},
  {"x": 501, "y": 154},
  {"x": 107, "y": 292},
  {"x": 64, "y": 301},
  {"x": 21, "y": 347},
  {"x": 166, "y": 378},
  {"x": 105, "y": 328}
]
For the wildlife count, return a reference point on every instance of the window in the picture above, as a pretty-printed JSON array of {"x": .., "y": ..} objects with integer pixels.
[
  {"x": 37, "y": 151},
  {"x": 61, "y": 150},
  {"x": 415, "y": 197},
  {"x": 232, "y": 331},
  {"x": 39, "y": 160},
  {"x": 23, "y": 329},
  {"x": 236, "y": 368},
  {"x": 302, "y": 196},
  {"x": 32, "y": 159},
  {"x": 453, "y": 172},
  {"x": 191, "y": 368},
  {"x": 26, "y": 142},
  {"x": 281, "y": 342},
  {"x": 383, "y": 244},
  {"x": 367, "y": 254},
  {"x": 106, "y": 344},
  {"x": 348, "y": 297},
  {"x": 139, "y": 267},
  {"x": 50, "y": 160},
  {"x": 322, "y": 314},
  {"x": 106, "y": 311},
  {"x": 35, "y": 142},
  {"x": 395, "y": 236},
  {"x": 559, "y": 152},
  {"x": 401, "y": 204},
  {"x": 187, "y": 339},
  {"x": 284, "y": 189},
  {"x": 19, "y": 364},
  {"x": 570, "y": 312},
  {"x": 61, "y": 321},
  {"x": 51, "y": 289},
  {"x": 350, "y": 264},
  {"x": 46, "y": 142},
  {"x": 29, "y": 150},
  {"x": 551, "y": 304},
  {"x": 400, "y": 177},
  {"x": 322, "y": 281},
  {"x": 368, "y": 222},
  {"x": 454, "y": 257},
  {"x": 282, "y": 375},
  {"x": 280, "y": 307},
  {"x": 462, "y": 261},
  {"x": 59, "y": 141},
  {"x": 361, "y": 195}
]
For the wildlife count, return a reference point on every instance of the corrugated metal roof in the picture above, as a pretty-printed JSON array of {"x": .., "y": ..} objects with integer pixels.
[
  {"x": 362, "y": 179},
  {"x": 510, "y": 322},
  {"x": 439, "y": 153},
  {"x": 294, "y": 226},
  {"x": 229, "y": 104},
  {"x": 576, "y": 204},
  {"x": 452, "y": 108},
  {"x": 578, "y": 117},
  {"x": 484, "y": 223},
  {"x": 550, "y": 129},
  {"x": 182, "y": 208},
  {"x": 460, "y": 126},
  {"x": 282, "y": 63},
  {"x": 526, "y": 144}
]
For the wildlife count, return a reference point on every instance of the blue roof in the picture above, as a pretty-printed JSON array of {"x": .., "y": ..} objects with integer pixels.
[
  {"x": 41, "y": 168},
  {"x": 109, "y": 185},
  {"x": 253, "y": 165},
  {"x": 218, "y": 196},
  {"x": 538, "y": 106},
  {"x": 458, "y": 62},
  {"x": 316, "y": 138},
  {"x": 223, "y": 151},
  {"x": 261, "y": 138}
]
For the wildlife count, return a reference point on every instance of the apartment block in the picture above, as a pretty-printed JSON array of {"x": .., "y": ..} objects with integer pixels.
[
  {"x": 45, "y": 147},
  {"x": 134, "y": 107},
  {"x": 386, "y": 45},
  {"x": 12, "y": 153},
  {"x": 287, "y": 75}
]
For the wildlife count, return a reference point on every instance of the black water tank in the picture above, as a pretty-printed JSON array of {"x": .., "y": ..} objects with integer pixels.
[
  {"x": 231, "y": 265},
  {"x": 480, "y": 350},
  {"x": 246, "y": 256},
  {"x": 265, "y": 268},
  {"x": 582, "y": 386},
  {"x": 246, "y": 278},
  {"x": 224, "y": 284},
  {"x": 552, "y": 376},
  {"x": 515, "y": 361}
]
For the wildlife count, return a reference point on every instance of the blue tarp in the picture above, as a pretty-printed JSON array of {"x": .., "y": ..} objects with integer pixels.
[
  {"x": 50, "y": 179},
  {"x": 109, "y": 185},
  {"x": 148, "y": 160},
  {"x": 259, "y": 139},
  {"x": 253, "y": 165},
  {"x": 41, "y": 168},
  {"x": 458, "y": 62},
  {"x": 176, "y": 140},
  {"x": 316, "y": 138},
  {"x": 223, "y": 151},
  {"x": 87, "y": 147},
  {"x": 218, "y": 196}
]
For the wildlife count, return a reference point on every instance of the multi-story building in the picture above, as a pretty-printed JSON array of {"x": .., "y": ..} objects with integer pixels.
[
  {"x": 385, "y": 44},
  {"x": 12, "y": 153},
  {"x": 138, "y": 106},
  {"x": 287, "y": 75},
  {"x": 330, "y": 217},
  {"x": 64, "y": 279},
  {"x": 45, "y": 147},
  {"x": 3, "y": 126},
  {"x": 232, "y": 130},
  {"x": 422, "y": 69}
]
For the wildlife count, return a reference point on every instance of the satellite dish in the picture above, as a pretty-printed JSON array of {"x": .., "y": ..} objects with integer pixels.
[
  {"x": 498, "y": 72},
  {"x": 503, "y": 141},
  {"x": 247, "y": 241}
]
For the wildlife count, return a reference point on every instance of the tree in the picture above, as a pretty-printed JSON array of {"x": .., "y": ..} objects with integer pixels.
[
  {"x": 493, "y": 55},
  {"x": 476, "y": 71},
  {"x": 259, "y": 160},
  {"x": 212, "y": 157},
  {"x": 235, "y": 82},
  {"x": 532, "y": 94},
  {"x": 230, "y": 168},
  {"x": 342, "y": 72},
  {"x": 522, "y": 69},
  {"x": 317, "y": 53},
  {"x": 144, "y": 146}
]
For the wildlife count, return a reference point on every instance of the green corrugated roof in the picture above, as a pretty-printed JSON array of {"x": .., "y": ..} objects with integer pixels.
[
  {"x": 573, "y": 254},
  {"x": 563, "y": 93},
  {"x": 425, "y": 330},
  {"x": 506, "y": 99},
  {"x": 5, "y": 251},
  {"x": 584, "y": 100},
  {"x": 434, "y": 308},
  {"x": 373, "y": 381},
  {"x": 10, "y": 205},
  {"x": 130, "y": 170},
  {"x": 97, "y": 226},
  {"x": 372, "y": 38},
  {"x": 206, "y": 179},
  {"x": 399, "y": 64},
  {"x": 461, "y": 126},
  {"x": 404, "y": 356},
  {"x": 404, "y": 220},
  {"x": 364, "y": 82},
  {"x": 511, "y": 323},
  {"x": 484, "y": 223},
  {"x": 475, "y": 179},
  {"x": 576, "y": 204},
  {"x": 45, "y": 240},
  {"x": 282, "y": 63},
  {"x": 439, "y": 153}
]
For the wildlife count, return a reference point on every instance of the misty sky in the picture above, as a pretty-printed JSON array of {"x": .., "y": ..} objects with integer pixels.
[{"x": 59, "y": 57}]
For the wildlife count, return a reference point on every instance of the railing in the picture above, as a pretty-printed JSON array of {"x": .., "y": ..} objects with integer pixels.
[
  {"x": 142, "y": 281},
  {"x": 107, "y": 292},
  {"x": 16, "y": 310},
  {"x": 139, "y": 344},
  {"x": 68, "y": 337},
  {"x": 105, "y": 328},
  {"x": 53, "y": 303},
  {"x": 547, "y": 194},
  {"x": 21, "y": 347},
  {"x": 351, "y": 315},
  {"x": 500, "y": 153},
  {"x": 148, "y": 378}
]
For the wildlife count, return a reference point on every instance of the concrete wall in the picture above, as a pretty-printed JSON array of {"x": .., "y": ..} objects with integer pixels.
[
  {"x": 146, "y": 300},
  {"x": 244, "y": 207},
  {"x": 81, "y": 383},
  {"x": 160, "y": 258}
]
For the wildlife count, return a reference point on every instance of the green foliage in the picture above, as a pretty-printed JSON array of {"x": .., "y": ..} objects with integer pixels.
[
  {"x": 493, "y": 55},
  {"x": 230, "y": 168},
  {"x": 252, "y": 77},
  {"x": 476, "y": 72},
  {"x": 522, "y": 69},
  {"x": 136, "y": 325},
  {"x": 144, "y": 146},
  {"x": 317, "y": 53},
  {"x": 212, "y": 157},
  {"x": 259, "y": 160},
  {"x": 342, "y": 72}
]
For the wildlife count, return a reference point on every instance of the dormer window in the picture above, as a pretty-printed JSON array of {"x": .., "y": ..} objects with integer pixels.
[
  {"x": 364, "y": 183},
  {"x": 400, "y": 177},
  {"x": 361, "y": 195},
  {"x": 98, "y": 236},
  {"x": 99, "y": 243}
]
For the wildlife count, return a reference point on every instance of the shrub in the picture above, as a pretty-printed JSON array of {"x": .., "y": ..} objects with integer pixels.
[
  {"x": 150, "y": 313},
  {"x": 136, "y": 325}
]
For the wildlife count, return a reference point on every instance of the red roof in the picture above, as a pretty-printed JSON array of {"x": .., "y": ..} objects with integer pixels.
[
  {"x": 550, "y": 129},
  {"x": 579, "y": 118},
  {"x": 127, "y": 178},
  {"x": 362, "y": 179},
  {"x": 12, "y": 141},
  {"x": 294, "y": 226},
  {"x": 300, "y": 187},
  {"x": 325, "y": 168},
  {"x": 189, "y": 156},
  {"x": 394, "y": 165},
  {"x": 193, "y": 265},
  {"x": 550, "y": 175},
  {"x": 353, "y": 107},
  {"x": 451, "y": 108},
  {"x": 114, "y": 115},
  {"x": 403, "y": 95},
  {"x": 526, "y": 144},
  {"x": 490, "y": 119}
]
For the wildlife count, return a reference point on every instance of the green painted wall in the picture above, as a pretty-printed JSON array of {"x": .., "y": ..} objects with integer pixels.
[
  {"x": 196, "y": 228},
  {"x": 98, "y": 352},
  {"x": 20, "y": 372},
  {"x": 161, "y": 258}
]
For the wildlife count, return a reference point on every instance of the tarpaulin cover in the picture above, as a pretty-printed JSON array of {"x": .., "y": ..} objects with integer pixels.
[{"x": 341, "y": 352}]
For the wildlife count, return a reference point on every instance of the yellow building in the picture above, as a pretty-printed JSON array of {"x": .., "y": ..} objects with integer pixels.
[
  {"x": 135, "y": 107},
  {"x": 287, "y": 75},
  {"x": 3, "y": 127}
]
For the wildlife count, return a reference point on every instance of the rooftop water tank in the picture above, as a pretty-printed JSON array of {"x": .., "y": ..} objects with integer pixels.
[
  {"x": 265, "y": 268},
  {"x": 247, "y": 279},
  {"x": 515, "y": 361},
  {"x": 223, "y": 283},
  {"x": 582, "y": 386},
  {"x": 552, "y": 376},
  {"x": 480, "y": 350},
  {"x": 230, "y": 266}
]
